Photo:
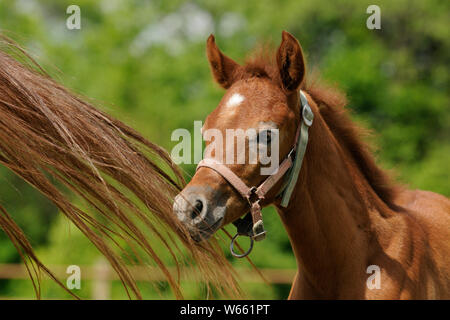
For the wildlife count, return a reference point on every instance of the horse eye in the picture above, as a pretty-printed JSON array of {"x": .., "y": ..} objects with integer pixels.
[{"x": 265, "y": 136}]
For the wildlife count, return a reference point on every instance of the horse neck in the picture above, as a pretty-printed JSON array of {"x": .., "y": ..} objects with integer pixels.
[{"x": 329, "y": 220}]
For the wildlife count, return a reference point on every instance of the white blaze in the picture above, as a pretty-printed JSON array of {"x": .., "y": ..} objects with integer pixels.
[{"x": 235, "y": 100}]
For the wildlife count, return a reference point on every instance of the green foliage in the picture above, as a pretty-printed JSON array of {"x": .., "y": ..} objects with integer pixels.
[{"x": 145, "y": 63}]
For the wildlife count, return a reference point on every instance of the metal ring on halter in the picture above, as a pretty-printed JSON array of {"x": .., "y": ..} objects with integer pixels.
[{"x": 237, "y": 255}]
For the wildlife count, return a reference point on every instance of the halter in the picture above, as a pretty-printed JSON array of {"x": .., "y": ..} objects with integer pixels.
[{"x": 252, "y": 225}]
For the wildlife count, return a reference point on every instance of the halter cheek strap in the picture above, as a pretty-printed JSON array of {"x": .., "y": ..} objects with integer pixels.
[
  {"x": 301, "y": 142},
  {"x": 252, "y": 225}
]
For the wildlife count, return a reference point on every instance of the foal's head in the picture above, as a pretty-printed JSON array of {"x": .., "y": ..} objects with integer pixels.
[{"x": 262, "y": 97}]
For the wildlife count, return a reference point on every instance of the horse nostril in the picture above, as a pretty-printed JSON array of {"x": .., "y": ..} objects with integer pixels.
[{"x": 198, "y": 207}]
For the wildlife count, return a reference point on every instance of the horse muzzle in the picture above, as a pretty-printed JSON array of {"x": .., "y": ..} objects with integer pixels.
[{"x": 197, "y": 209}]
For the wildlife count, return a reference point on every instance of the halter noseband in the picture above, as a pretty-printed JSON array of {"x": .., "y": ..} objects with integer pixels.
[{"x": 252, "y": 225}]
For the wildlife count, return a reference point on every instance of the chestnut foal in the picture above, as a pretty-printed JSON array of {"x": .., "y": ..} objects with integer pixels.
[{"x": 343, "y": 215}]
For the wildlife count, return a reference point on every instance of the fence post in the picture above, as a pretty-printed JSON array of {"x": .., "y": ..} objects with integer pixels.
[{"x": 101, "y": 284}]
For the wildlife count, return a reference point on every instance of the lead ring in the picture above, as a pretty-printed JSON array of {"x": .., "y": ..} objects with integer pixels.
[{"x": 237, "y": 255}]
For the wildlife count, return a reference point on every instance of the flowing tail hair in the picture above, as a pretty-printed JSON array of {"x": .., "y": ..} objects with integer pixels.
[{"x": 72, "y": 152}]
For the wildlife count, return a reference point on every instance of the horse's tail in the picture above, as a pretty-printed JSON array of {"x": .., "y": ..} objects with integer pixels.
[{"x": 67, "y": 150}]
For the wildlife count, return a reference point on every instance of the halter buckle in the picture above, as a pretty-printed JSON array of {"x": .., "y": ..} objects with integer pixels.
[
  {"x": 308, "y": 115},
  {"x": 258, "y": 231},
  {"x": 291, "y": 154},
  {"x": 252, "y": 196}
]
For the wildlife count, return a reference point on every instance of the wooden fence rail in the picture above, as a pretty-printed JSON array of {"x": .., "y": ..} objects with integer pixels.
[{"x": 101, "y": 274}]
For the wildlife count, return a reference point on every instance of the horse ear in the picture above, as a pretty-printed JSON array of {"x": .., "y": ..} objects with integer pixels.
[
  {"x": 290, "y": 62},
  {"x": 222, "y": 67}
]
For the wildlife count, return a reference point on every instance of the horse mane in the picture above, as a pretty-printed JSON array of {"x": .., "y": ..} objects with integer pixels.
[
  {"x": 332, "y": 106},
  {"x": 74, "y": 153}
]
